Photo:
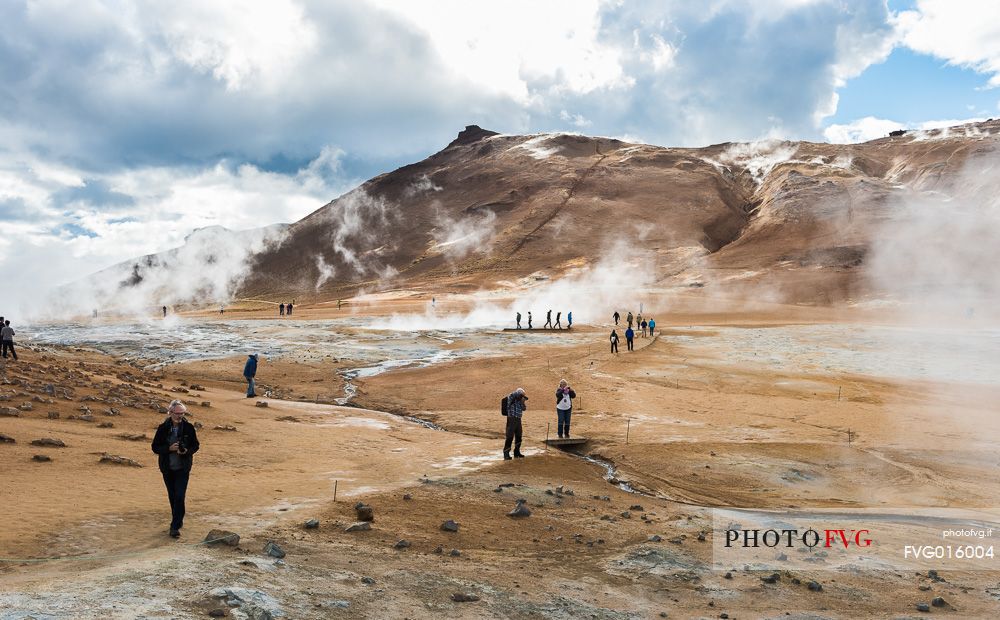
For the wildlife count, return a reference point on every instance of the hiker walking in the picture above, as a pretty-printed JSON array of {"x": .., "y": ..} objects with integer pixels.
[
  {"x": 515, "y": 409},
  {"x": 564, "y": 407},
  {"x": 652, "y": 326},
  {"x": 558, "y": 322},
  {"x": 614, "y": 340},
  {"x": 569, "y": 320},
  {"x": 249, "y": 372},
  {"x": 164, "y": 312},
  {"x": 628, "y": 319},
  {"x": 616, "y": 317},
  {"x": 629, "y": 335},
  {"x": 176, "y": 442},
  {"x": 288, "y": 309},
  {"x": 548, "y": 320},
  {"x": 7, "y": 340},
  {"x": 281, "y": 309},
  {"x": 518, "y": 320},
  {"x": 529, "y": 319},
  {"x": 643, "y": 326}
]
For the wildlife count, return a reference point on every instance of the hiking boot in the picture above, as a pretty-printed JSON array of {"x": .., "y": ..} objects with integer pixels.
[
  {"x": 506, "y": 456},
  {"x": 518, "y": 455},
  {"x": 175, "y": 533}
]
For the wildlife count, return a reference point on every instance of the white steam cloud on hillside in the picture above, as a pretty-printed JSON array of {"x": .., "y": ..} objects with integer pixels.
[
  {"x": 456, "y": 238},
  {"x": 207, "y": 269}
]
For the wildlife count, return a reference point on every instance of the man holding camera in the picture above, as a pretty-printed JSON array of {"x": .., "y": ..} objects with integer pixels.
[{"x": 176, "y": 442}]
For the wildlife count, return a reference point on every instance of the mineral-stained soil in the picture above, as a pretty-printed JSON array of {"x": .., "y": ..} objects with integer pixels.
[{"x": 687, "y": 431}]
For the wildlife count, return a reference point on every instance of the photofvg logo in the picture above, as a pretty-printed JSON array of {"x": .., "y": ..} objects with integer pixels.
[{"x": 862, "y": 539}]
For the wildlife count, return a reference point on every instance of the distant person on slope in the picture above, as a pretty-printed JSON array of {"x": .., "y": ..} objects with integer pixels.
[
  {"x": 558, "y": 322},
  {"x": 564, "y": 407},
  {"x": 281, "y": 309},
  {"x": 628, "y": 319},
  {"x": 529, "y": 319},
  {"x": 514, "y": 432},
  {"x": 569, "y": 320},
  {"x": 629, "y": 336},
  {"x": 7, "y": 340},
  {"x": 288, "y": 309},
  {"x": 249, "y": 372},
  {"x": 652, "y": 326},
  {"x": 643, "y": 325},
  {"x": 614, "y": 340},
  {"x": 518, "y": 320},
  {"x": 548, "y": 320},
  {"x": 616, "y": 317},
  {"x": 164, "y": 312},
  {"x": 176, "y": 442}
]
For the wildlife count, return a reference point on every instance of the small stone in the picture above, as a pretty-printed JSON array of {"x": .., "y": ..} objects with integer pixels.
[
  {"x": 439, "y": 550},
  {"x": 368, "y": 581},
  {"x": 6, "y": 439},
  {"x": 106, "y": 425},
  {"x": 923, "y": 607},
  {"x": 654, "y": 538},
  {"x": 772, "y": 578},
  {"x": 636, "y": 507},
  {"x": 272, "y": 549},
  {"x": 402, "y": 544},
  {"x": 311, "y": 524},
  {"x": 365, "y": 512},
  {"x": 261, "y": 403},
  {"x": 41, "y": 458},
  {"x": 781, "y": 557},
  {"x": 455, "y": 553},
  {"x": 119, "y": 460},
  {"x": 53, "y": 415},
  {"x": 938, "y": 602},
  {"x": 407, "y": 497},
  {"x": 364, "y": 526},
  {"x": 701, "y": 536},
  {"x": 815, "y": 586},
  {"x": 218, "y": 613},
  {"x": 520, "y": 510},
  {"x": 461, "y": 597},
  {"x": 49, "y": 442},
  {"x": 206, "y": 403},
  {"x": 222, "y": 537},
  {"x": 225, "y": 427},
  {"x": 87, "y": 417},
  {"x": 9, "y": 412},
  {"x": 449, "y": 526},
  {"x": 728, "y": 575}
]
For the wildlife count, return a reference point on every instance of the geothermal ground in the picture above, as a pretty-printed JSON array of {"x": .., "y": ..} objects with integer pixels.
[{"x": 805, "y": 417}]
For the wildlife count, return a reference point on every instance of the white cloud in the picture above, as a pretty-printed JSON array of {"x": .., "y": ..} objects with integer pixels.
[
  {"x": 963, "y": 32},
  {"x": 871, "y": 128}
]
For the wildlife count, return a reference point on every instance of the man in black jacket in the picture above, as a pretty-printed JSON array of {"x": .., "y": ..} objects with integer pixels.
[{"x": 176, "y": 442}]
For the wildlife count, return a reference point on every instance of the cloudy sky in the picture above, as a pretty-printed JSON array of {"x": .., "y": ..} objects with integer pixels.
[{"x": 126, "y": 125}]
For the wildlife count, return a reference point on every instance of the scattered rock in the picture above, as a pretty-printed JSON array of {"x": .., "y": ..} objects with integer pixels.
[
  {"x": 41, "y": 458},
  {"x": 654, "y": 538},
  {"x": 112, "y": 412},
  {"x": 402, "y": 544},
  {"x": 938, "y": 602},
  {"x": 206, "y": 403},
  {"x": 311, "y": 524},
  {"x": 106, "y": 425},
  {"x": 407, "y": 496},
  {"x": 6, "y": 439},
  {"x": 626, "y": 515},
  {"x": 461, "y": 597},
  {"x": 48, "y": 441},
  {"x": 439, "y": 550},
  {"x": 272, "y": 549},
  {"x": 368, "y": 581},
  {"x": 119, "y": 460},
  {"x": 196, "y": 387},
  {"x": 636, "y": 507},
  {"x": 455, "y": 553},
  {"x": 85, "y": 417},
  {"x": 133, "y": 436},
  {"x": 218, "y": 613},
  {"x": 287, "y": 418},
  {"x": 365, "y": 512},
  {"x": 815, "y": 586},
  {"x": 933, "y": 574},
  {"x": 728, "y": 575},
  {"x": 9, "y": 412},
  {"x": 364, "y": 526},
  {"x": 27, "y": 407},
  {"x": 701, "y": 536},
  {"x": 222, "y": 537},
  {"x": 261, "y": 403},
  {"x": 772, "y": 578},
  {"x": 449, "y": 526},
  {"x": 225, "y": 427},
  {"x": 923, "y": 607},
  {"x": 520, "y": 510},
  {"x": 53, "y": 415}
]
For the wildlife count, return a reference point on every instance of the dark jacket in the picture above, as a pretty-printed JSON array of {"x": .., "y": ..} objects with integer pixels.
[
  {"x": 629, "y": 334},
  {"x": 188, "y": 437},
  {"x": 559, "y": 394},
  {"x": 250, "y": 370}
]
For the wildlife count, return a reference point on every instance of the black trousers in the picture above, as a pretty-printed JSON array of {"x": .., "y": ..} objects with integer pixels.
[
  {"x": 628, "y": 341},
  {"x": 8, "y": 345},
  {"x": 514, "y": 434},
  {"x": 614, "y": 346},
  {"x": 177, "y": 483}
]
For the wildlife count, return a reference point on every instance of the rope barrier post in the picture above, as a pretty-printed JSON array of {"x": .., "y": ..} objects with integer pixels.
[
  {"x": 335, "y": 490},
  {"x": 628, "y": 425},
  {"x": 547, "y": 425}
]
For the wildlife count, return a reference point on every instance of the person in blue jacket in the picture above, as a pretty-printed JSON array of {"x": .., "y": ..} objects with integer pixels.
[
  {"x": 249, "y": 372},
  {"x": 629, "y": 335}
]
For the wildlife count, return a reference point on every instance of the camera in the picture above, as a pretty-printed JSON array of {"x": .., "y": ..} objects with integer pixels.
[{"x": 181, "y": 446}]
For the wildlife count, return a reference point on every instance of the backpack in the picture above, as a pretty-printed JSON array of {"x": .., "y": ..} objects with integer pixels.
[{"x": 503, "y": 406}]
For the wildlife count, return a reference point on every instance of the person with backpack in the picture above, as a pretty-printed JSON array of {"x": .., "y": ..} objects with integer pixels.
[
  {"x": 643, "y": 325},
  {"x": 616, "y": 316},
  {"x": 513, "y": 407},
  {"x": 558, "y": 322},
  {"x": 629, "y": 335},
  {"x": 564, "y": 407},
  {"x": 7, "y": 340},
  {"x": 249, "y": 372},
  {"x": 629, "y": 319},
  {"x": 518, "y": 320},
  {"x": 614, "y": 340},
  {"x": 176, "y": 442}
]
